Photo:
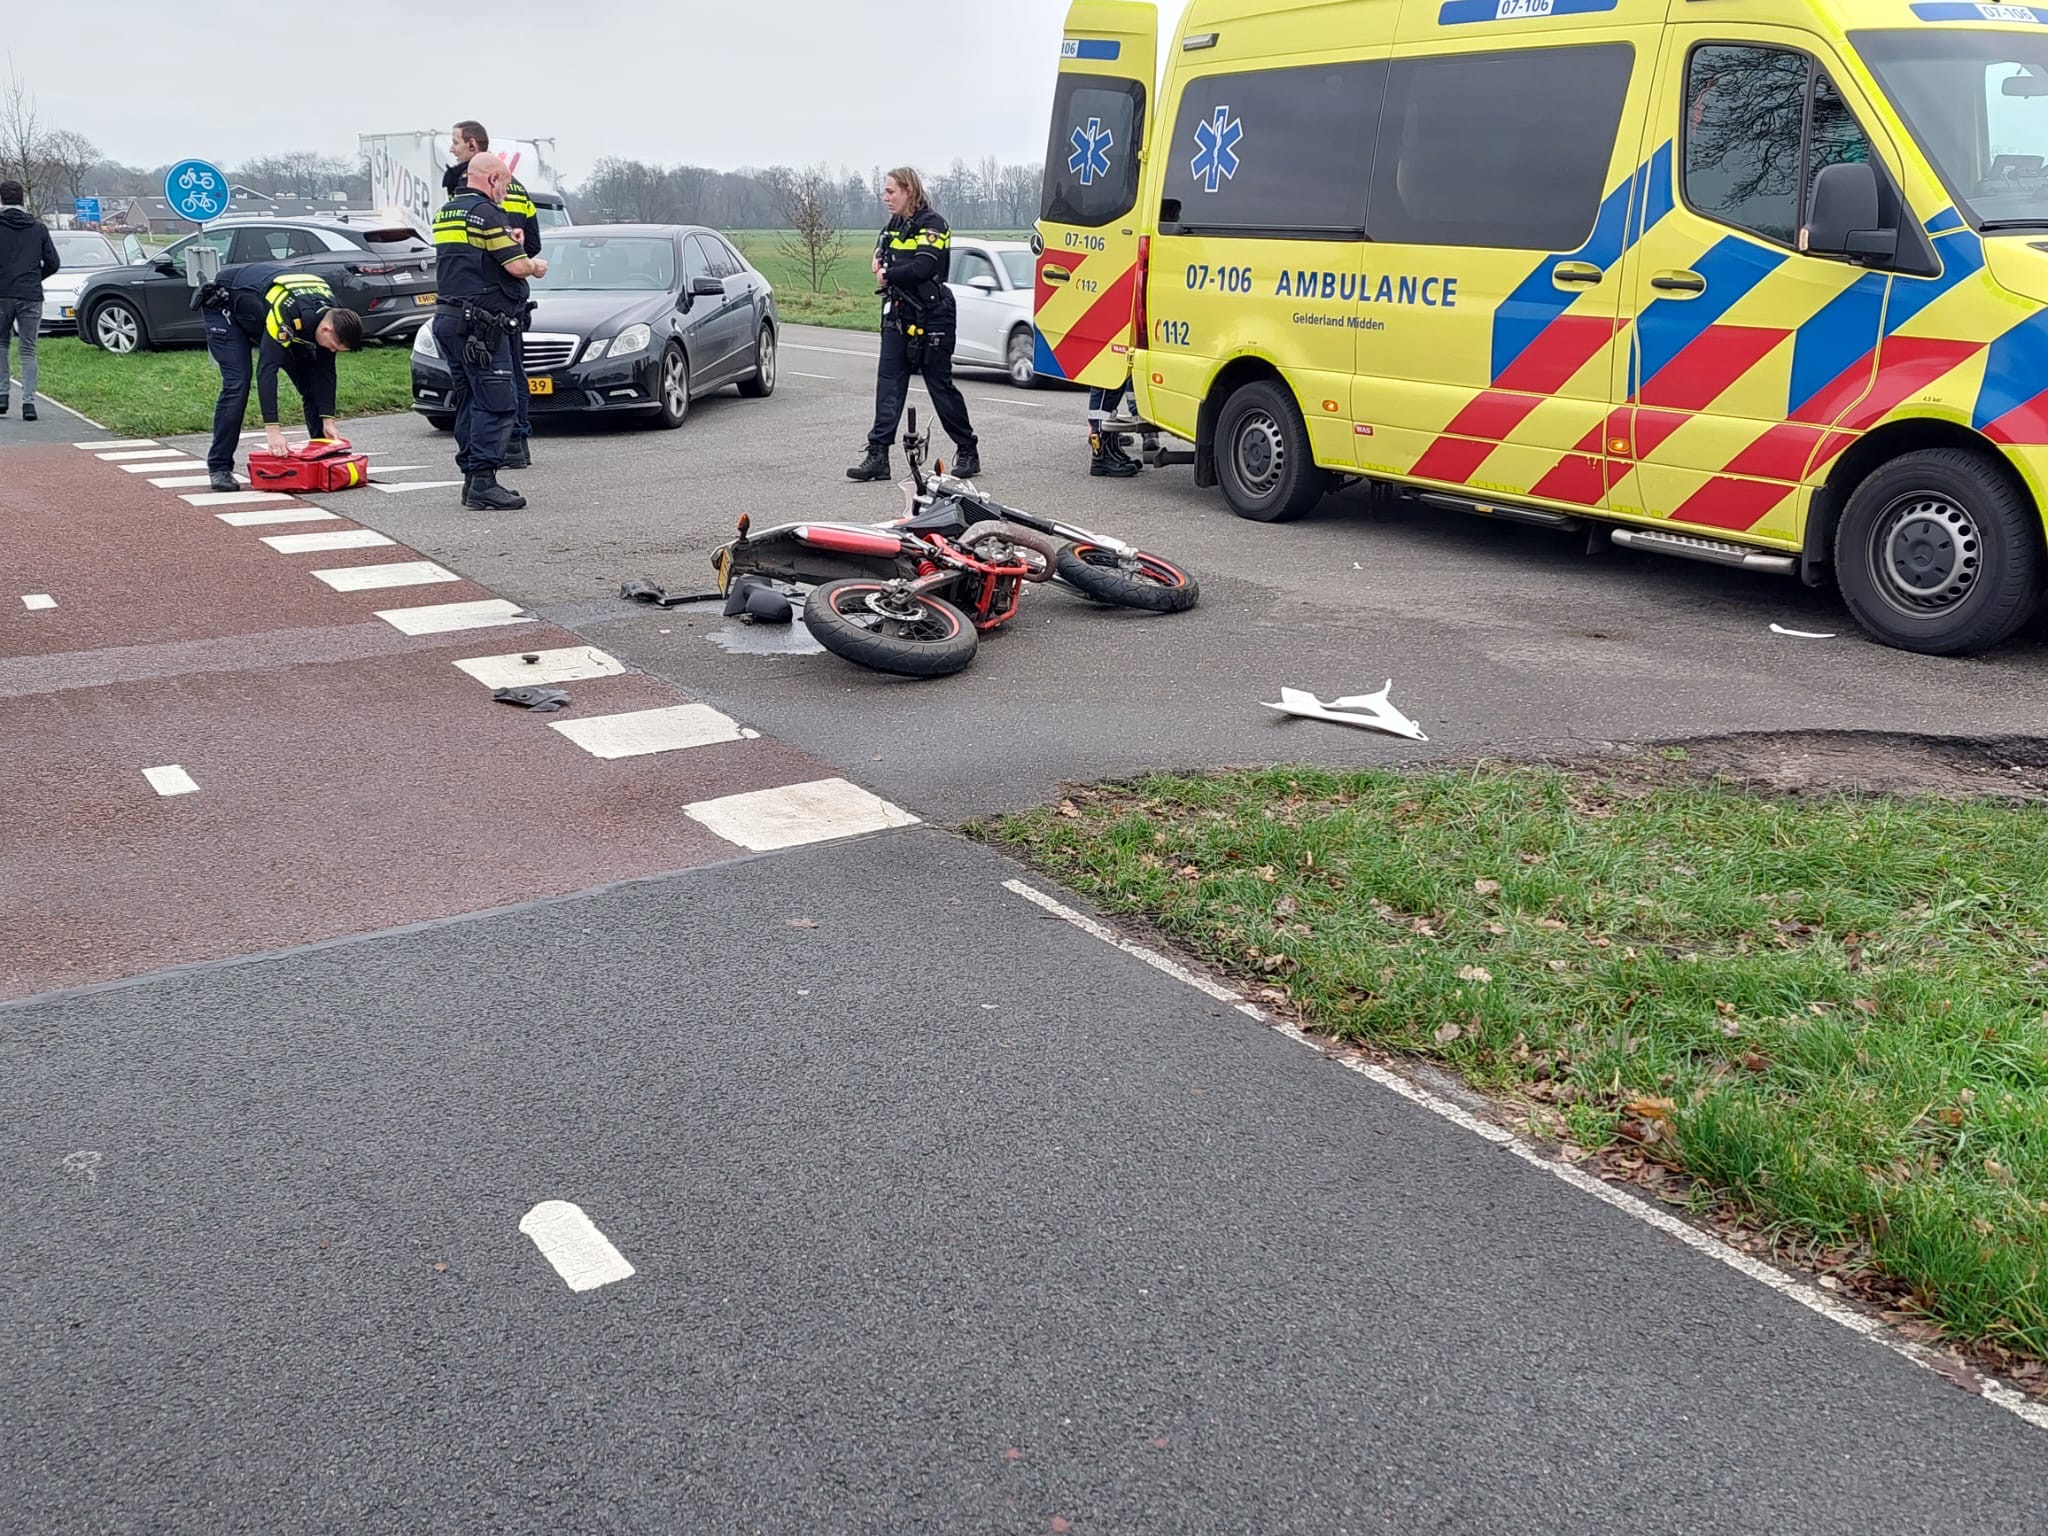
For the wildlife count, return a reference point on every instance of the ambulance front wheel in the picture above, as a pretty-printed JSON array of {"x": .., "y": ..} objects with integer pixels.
[
  {"x": 1940, "y": 552},
  {"x": 1263, "y": 460}
]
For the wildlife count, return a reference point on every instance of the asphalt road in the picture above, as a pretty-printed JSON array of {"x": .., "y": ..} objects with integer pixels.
[
  {"x": 943, "y": 1215},
  {"x": 1023, "y": 1230},
  {"x": 1497, "y": 637}
]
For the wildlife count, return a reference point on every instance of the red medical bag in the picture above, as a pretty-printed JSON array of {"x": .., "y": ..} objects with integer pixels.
[{"x": 324, "y": 464}]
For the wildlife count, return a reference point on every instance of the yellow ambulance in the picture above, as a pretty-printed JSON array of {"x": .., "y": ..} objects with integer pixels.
[{"x": 1761, "y": 282}]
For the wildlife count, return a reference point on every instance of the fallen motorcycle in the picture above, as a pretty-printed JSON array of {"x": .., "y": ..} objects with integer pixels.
[{"x": 914, "y": 596}]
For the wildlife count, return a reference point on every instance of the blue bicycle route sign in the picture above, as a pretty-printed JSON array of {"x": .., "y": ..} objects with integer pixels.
[{"x": 196, "y": 191}]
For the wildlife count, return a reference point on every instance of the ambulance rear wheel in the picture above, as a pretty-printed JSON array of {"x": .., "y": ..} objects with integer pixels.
[
  {"x": 1940, "y": 552},
  {"x": 1263, "y": 460}
]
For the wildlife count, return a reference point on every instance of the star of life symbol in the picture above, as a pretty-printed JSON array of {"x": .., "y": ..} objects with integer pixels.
[
  {"x": 1215, "y": 160},
  {"x": 1091, "y": 152}
]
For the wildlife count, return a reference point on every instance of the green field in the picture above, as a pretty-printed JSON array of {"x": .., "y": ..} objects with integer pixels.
[
  {"x": 846, "y": 297},
  {"x": 161, "y": 394},
  {"x": 1828, "y": 1019}
]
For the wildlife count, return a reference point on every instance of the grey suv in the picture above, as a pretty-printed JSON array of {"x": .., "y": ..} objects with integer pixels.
[{"x": 383, "y": 273}]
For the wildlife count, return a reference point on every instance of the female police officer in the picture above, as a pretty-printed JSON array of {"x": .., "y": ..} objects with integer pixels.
[{"x": 912, "y": 258}]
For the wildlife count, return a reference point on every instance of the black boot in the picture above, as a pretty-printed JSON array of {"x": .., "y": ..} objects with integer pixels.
[
  {"x": 874, "y": 467},
  {"x": 517, "y": 455},
  {"x": 967, "y": 463},
  {"x": 28, "y": 410},
  {"x": 484, "y": 494},
  {"x": 222, "y": 480},
  {"x": 3, "y": 405},
  {"x": 1107, "y": 461},
  {"x": 1119, "y": 449}
]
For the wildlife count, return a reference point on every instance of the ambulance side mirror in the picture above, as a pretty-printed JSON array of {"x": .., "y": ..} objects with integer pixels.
[{"x": 1844, "y": 219}]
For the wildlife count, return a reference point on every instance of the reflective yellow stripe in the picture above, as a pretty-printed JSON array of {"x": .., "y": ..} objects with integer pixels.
[{"x": 283, "y": 289}]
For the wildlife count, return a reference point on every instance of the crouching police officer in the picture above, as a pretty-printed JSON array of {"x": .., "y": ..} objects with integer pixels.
[
  {"x": 281, "y": 319},
  {"x": 482, "y": 273},
  {"x": 913, "y": 258}
]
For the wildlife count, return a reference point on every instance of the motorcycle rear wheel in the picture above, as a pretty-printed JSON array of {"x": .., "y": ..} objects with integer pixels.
[
  {"x": 867, "y": 622},
  {"x": 1137, "y": 581}
]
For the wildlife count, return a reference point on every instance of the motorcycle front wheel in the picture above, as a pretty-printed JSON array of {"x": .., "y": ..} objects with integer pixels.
[
  {"x": 1136, "y": 580},
  {"x": 875, "y": 625}
]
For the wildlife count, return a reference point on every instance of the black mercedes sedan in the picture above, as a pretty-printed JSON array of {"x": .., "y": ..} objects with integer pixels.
[{"x": 631, "y": 318}]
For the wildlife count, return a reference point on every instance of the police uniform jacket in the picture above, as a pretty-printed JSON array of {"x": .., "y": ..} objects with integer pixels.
[
  {"x": 520, "y": 212},
  {"x": 473, "y": 244},
  {"x": 916, "y": 255},
  {"x": 280, "y": 310}
]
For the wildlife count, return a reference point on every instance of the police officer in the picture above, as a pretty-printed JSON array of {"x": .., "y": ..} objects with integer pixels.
[
  {"x": 482, "y": 272},
  {"x": 466, "y": 141},
  {"x": 262, "y": 310},
  {"x": 912, "y": 258}
]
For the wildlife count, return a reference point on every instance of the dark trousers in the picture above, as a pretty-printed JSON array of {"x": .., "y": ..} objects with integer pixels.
[
  {"x": 235, "y": 354},
  {"x": 486, "y": 407},
  {"x": 523, "y": 427},
  {"x": 892, "y": 388}
]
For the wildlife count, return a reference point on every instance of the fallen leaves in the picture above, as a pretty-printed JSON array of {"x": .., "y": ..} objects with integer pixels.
[
  {"x": 1068, "y": 808},
  {"x": 1478, "y": 973},
  {"x": 1486, "y": 887},
  {"x": 1447, "y": 1033}
]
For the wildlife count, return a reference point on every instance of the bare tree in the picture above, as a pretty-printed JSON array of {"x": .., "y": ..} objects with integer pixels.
[
  {"x": 70, "y": 157},
  {"x": 812, "y": 245},
  {"x": 21, "y": 133},
  {"x": 1020, "y": 195}
]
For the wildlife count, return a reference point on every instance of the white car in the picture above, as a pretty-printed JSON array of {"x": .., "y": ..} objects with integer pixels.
[
  {"x": 82, "y": 252},
  {"x": 992, "y": 283}
]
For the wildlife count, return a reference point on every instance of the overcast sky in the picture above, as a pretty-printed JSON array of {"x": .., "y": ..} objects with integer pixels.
[{"x": 742, "y": 82}]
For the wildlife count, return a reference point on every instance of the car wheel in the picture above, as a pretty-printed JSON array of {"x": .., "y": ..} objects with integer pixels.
[
  {"x": 117, "y": 327},
  {"x": 1263, "y": 459},
  {"x": 1940, "y": 552},
  {"x": 762, "y": 384},
  {"x": 1021, "y": 359},
  {"x": 674, "y": 386}
]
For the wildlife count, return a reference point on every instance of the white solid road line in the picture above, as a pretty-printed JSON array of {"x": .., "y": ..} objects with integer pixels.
[
  {"x": 123, "y": 442},
  {"x": 571, "y": 664},
  {"x": 569, "y": 1240},
  {"x": 795, "y": 374},
  {"x": 38, "y": 602},
  {"x": 263, "y": 517},
  {"x": 335, "y": 538},
  {"x": 795, "y": 814},
  {"x": 170, "y": 780},
  {"x": 792, "y": 346},
  {"x": 373, "y": 578},
  {"x": 1702, "y": 1242},
  {"x": 447, "y": 618},
  {"x": 644, "y": 731}
]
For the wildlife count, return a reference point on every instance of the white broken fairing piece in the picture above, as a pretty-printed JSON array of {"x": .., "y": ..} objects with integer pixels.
[
  {"x": 1802, "y": 634},
  {"x": 1371, "y": 710}
]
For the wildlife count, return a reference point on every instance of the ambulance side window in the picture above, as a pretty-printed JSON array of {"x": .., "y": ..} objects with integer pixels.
[
  {"x": 1091, "y": 162},
  {"x": 1747, "y": 131},
  {"x": 1275, "y": 152}
]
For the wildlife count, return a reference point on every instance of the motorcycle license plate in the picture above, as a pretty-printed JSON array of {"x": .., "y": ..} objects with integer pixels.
[{"x": 540, "y": 386}]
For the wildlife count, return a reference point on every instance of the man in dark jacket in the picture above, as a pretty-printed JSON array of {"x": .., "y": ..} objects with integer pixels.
[
  {"x": 27, "y": 256},
  {"x": 468, "y": 140}
]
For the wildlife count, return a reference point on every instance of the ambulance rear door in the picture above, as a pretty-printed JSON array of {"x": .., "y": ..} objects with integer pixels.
[{"x": 1088, "y": 226}]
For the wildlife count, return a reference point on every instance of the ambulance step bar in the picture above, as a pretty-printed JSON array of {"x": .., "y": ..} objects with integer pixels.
[
  {"x": 1540, "y": 516},
  {"x": 1714, "y": 551}
]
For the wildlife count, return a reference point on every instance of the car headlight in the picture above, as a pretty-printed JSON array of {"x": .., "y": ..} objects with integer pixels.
[
  {"x": 423, "y": 341},
  {"x": 633, "y": 338},
  {"x": 594, "y": 351}
]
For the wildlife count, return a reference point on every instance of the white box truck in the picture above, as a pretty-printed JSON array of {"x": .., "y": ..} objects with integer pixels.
[{"x": 406, "y": 171}]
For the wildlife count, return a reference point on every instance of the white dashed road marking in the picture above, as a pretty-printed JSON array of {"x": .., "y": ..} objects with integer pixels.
[
  {"x": 232, "y": 498},
  {"x": 371, "y": 578},
  {"x": 569, "y": 1240},
  {"x": 36, "y": 602},
  {"x": 170, "y": 780},
  {"x": 572, "y": 664},
  {"x": 446, "y": 618},
  {"x": 645, "y": 731},
  {"x": 189, "y": 482},
  {"x": 417, "y": 485},
  {"x": 339, "y": 538},
  {"x": 126, "y": 454},
  {"x": 159, "y": 466},
  {"x": 795, "y": 814},
  {"x": 263, "y": 517},
  {"x": 125, "y": 442}
]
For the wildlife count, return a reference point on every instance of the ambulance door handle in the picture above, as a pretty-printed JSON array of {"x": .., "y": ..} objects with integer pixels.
[
  {"x": 1056, "y": 275},
  {"x": 1576, "y": 274},
  {"x": 1679, "y": 282}
]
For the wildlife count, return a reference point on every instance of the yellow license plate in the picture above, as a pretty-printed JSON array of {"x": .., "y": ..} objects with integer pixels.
[
  {"x": 540, "y": 386},
  {"x": 424, "y": 299}
]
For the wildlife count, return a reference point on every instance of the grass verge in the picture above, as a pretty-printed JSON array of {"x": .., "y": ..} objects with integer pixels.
[
  {"x": 846, "y": 298},
  {"x": 161, "y": 394},
  {"x": 1830, "y": 1013}
]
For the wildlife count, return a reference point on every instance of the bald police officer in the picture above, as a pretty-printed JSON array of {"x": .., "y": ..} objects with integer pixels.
[
  {"x": 482, "y": 273},
  {"x": 468, "y": 139}
]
